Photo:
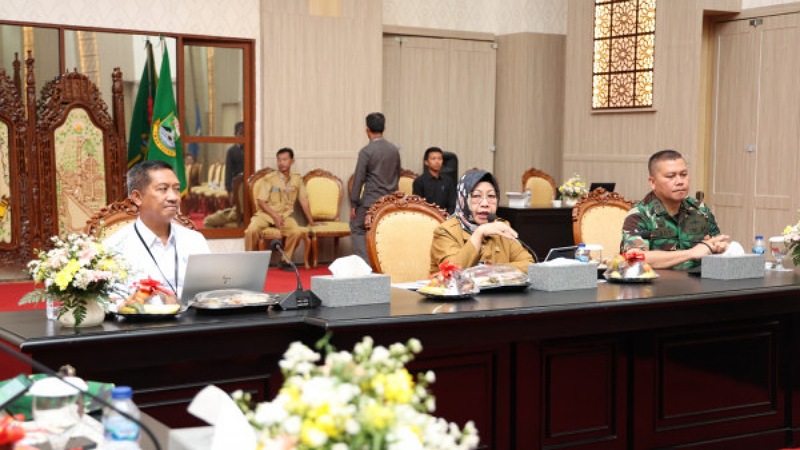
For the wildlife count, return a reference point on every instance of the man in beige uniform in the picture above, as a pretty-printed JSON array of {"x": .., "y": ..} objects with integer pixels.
[{"x": 276, "y": 198}]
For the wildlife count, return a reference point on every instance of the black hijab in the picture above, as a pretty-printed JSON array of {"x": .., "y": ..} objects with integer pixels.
[{"x": 465, "y": 186}]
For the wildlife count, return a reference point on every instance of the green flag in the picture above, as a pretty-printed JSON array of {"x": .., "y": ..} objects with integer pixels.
[
  {"x": 142, "y": 111},
  {"x": 165, "y": 132}
]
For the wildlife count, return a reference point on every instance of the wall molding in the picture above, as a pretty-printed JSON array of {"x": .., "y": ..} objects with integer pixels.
[
  {"x": 627, "y": 159},
  {"x": 437, "y": 33}
]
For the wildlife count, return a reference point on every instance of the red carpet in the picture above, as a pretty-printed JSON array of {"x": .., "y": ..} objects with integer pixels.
[
  {"x": 282, "y": 281},
  {"x": 277, "y": 281}
]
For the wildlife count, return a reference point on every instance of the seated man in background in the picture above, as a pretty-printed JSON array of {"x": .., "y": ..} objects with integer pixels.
[
  {"x": 676, "y": 229},
  {"x": 153, "y": 245},
  {"x": 434, "y": 186},
  {"x": 276, "y": 198}
]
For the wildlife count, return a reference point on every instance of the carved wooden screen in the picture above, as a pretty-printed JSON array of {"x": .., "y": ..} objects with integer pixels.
[
  {"x": 82, "y": 151},
  {"x": 15, "y": 205}
]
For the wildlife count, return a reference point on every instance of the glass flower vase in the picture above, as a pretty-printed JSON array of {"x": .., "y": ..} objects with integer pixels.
[{"x": 52, "y": 308}]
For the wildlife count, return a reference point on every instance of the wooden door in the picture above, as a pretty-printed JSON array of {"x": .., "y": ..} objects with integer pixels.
[
  {"x": 756, "y": 115},
  {"x": 440, "y": 92}
]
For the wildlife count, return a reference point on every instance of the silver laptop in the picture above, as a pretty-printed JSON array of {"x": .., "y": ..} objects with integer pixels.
[
  {"x": 561, "y": 252},
  {"x": 212, "y": 271}
]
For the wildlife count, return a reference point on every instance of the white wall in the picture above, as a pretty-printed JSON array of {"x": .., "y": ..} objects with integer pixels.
[
  {"x": 747, "y": 4},
  {"x": 485, "y": 16},
  {"x": 231, "y": 18}
]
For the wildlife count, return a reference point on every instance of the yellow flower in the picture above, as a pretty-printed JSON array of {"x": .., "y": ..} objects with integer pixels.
[
  {"x": 399, "y": 386},
  {"x": 295, "y": 404},
  {"x": 311, "y": 435},
  {"x": 64, "y": 277},
  {"x": 325, "y": 423},
  {"x": 377, "y": 416}
]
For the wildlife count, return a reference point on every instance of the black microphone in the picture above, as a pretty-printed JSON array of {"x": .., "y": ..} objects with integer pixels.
[
  {"x": 300, "y": 298},
  {"x": 494, "y": 218},
  {"x": 50, "y": 372}
]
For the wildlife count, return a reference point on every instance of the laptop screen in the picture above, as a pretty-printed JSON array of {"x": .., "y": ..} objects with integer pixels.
[
  {"x": 213, "y": 271},
  {"x": 561, "y": 252}
]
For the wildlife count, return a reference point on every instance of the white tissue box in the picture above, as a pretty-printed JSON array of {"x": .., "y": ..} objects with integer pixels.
[
  {"x": 516, "y": 199},
  {"x": 721, "y": 267},
  {"x": 545, "y": 277},
  {"x": 335, "y": 292}
]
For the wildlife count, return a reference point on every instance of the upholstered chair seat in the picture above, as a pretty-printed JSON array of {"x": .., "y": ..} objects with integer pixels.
[
  {"x": 542, "y": 187},
  {"x": 325, "y": 193},
  {"x": 598, "y": 217},
  {"x": 399, "y": 236},
  {"x": 405, "y": 183}
]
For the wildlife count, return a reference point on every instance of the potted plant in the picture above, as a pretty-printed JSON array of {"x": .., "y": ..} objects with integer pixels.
[
  {"x": 791, "y": 237},
  {"x": 80, "y": 274},
  {"x": 363, "y": 400},
  {"x": 572, "y": 190}
]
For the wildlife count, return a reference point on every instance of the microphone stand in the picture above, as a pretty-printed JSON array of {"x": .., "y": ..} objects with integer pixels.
[
  {"x": 50, "y": 372},
  {"x": 300, "y": 298},
  {"x": 494, "y": 218}
]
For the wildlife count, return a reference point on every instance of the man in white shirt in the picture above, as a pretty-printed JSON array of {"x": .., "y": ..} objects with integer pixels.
[{"x": 151, "y": 245}]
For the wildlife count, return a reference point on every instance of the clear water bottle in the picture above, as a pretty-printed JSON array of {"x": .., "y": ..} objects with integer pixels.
[
  {"x": 582, "y": 253},
  {"x": 758, "y": 245},
  {"x": 121, "y": 433}
]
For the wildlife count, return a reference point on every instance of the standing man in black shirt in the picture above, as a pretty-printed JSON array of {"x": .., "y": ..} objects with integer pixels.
[
  {"x": 434, "y": 186},
  {"x": 234, "y": 160},
  {"x": 377, "y": 170}
]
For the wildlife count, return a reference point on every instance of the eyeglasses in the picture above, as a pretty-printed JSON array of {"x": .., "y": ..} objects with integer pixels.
[{"x": 477, "y": 197}]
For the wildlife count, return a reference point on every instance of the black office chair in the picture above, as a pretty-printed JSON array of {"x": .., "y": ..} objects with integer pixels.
[{"x": 450, "y": 165}]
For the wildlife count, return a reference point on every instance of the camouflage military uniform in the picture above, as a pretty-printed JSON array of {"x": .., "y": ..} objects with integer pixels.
[{"x": 682, "y": 232}]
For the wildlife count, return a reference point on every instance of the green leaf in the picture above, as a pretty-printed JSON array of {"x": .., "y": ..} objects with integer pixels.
[{"x": 32, "y": 297}]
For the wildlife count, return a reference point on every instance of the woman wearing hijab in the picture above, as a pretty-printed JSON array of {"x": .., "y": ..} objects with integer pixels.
[{"x": 468, "y": 237}]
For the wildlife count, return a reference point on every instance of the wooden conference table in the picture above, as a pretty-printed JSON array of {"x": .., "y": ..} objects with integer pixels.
[{"x": 681, "y": 361}]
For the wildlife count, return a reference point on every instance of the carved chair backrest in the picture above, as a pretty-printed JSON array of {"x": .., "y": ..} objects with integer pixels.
[
  {"x": 15, "y": 181},
  {"x": 81, "y": 149}
]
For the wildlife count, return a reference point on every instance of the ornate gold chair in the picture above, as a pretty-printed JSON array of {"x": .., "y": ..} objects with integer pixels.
[
  {"x": 350, "y": 186},
  {"x": 597, "y": 218},
  {"x": 325, "y": 192},
  {"x": 406, "y": 182},
  {"x": 215, "y": 196},
  {"x": 232, "y": 216},
  {"x": 81, "y": 151},
  {"x": 399, "y": 235},
  {"x": 270, "y": 233},
  {"x": 197, "y": 192},
  {"x": 113, "y": 217},
  {"x": 16, "y": 176},
  {"x": 542, "y": 186}
]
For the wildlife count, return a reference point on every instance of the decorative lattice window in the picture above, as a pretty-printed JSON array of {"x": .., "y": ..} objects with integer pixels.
[{"x": 624, "y": 42}]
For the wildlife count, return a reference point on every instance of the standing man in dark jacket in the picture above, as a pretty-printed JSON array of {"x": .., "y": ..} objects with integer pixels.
[{"x": 377, "y": 171}]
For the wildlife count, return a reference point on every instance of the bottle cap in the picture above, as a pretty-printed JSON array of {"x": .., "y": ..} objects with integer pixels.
[
  {"x": 759, "y": 236},
  {"x": 121, "y": 392},
  {"x": 581, "y": 245}
]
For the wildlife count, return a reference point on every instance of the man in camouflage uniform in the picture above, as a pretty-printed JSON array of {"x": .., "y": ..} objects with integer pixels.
[
  {"x": 674, "y": 229},
  {"x": 276, "y": 198}
]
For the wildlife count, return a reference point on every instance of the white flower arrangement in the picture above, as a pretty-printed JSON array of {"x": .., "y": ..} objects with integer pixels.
[
  {"x": 574, "y": 187},
  {"x": 791, "y": 237},
  {"x": 77, "y": 270},
  {"x": 365, "y": 400}
]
